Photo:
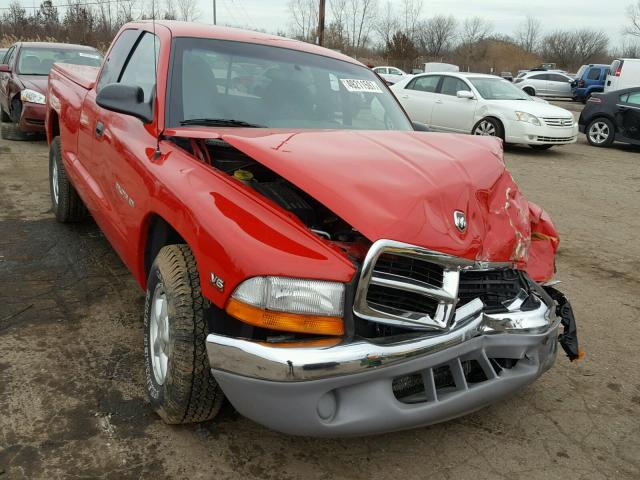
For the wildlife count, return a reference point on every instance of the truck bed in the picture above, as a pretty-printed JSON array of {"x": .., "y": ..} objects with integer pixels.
[{"x": 80, "y": 74}]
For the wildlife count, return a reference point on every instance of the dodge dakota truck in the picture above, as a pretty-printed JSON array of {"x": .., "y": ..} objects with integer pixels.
[{"x": 306, "y": 251}]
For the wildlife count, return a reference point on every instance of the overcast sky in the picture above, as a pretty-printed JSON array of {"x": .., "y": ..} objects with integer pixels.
[{"x": 273, "y": 15}]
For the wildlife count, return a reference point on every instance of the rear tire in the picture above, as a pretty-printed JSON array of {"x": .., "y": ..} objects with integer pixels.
[
  {"x": 179, "y": 382},
  {"x": 529, "y": 91},
  {"x": 600, "y": 132},
  {"x": 67, "y": 205}
]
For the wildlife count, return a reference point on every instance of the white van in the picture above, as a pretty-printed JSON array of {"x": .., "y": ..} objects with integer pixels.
[
  {"x": 432, "y": 67},
  {"x": 623, "y": 73}
]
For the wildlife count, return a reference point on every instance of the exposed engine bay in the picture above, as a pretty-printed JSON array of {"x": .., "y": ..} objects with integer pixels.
[{"x": 320, "y": 220}]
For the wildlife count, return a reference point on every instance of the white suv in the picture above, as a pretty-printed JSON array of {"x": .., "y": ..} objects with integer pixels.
[{"x": 545, "y": 84}]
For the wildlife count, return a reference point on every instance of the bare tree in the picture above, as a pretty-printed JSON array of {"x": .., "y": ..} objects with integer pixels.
[
  {"x": 170, "y": 11},
  {"x": 361, "y": 15},
  {"x": 437, "y": 35},
  {"x": 387, "y": 24},
  {"x": 410, "y": 16},
  {"x": 188, "y": 10},
  {"x": 475, "y": 29},
  {"x": 571, "y": 49},
  {"x": 304, "y": 19},
  {"x": 528, "y": 33},
  {"x": 633, "y": 12}
]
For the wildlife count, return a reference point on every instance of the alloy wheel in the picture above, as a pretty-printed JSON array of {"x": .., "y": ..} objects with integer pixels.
[
  {"x": 485, "y": 128},
  {"x": 599, "y": 132},
  {"x": 159, "y": 334},
  {"x": 54, "y": 182}
]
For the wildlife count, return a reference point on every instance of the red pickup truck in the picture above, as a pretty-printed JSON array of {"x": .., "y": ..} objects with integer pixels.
[{"x": 305, "y": 250}]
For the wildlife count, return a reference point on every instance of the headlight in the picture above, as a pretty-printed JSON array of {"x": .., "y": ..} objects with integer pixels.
[
  {"x": 290, "y": 304},
  {"x": 527, "y": 117},
  {"x": 32, "y": 96}
]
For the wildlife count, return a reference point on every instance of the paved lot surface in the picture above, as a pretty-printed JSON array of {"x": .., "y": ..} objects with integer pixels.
[{"x": 72, "y": 403}]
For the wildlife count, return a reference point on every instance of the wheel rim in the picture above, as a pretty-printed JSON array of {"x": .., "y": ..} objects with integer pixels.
[
  {"x": 159, "y": 334},
  {"x": 54, "y": 182},
  {"x": 599, "y": 132},
  {"x": 485, "y": 128}
]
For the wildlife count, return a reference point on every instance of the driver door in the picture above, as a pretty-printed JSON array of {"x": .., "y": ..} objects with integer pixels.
[{"x": 628, "y": 116}]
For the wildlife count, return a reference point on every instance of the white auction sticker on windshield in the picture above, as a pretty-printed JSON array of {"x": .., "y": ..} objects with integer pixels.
[
  {"x": 89, "y": 55},
  {"x": 365, "y": 86}
]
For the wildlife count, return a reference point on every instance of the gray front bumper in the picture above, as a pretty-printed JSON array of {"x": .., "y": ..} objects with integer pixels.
[{"x": 346, "y": 390}]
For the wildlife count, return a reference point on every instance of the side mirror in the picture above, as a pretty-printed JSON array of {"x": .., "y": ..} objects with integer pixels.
[
  {"x": 421, "y": 127},
  {"x": 465, "y": 94},
  {"x": 127, "y": 99},
  {"x": 4, "y": 68}
]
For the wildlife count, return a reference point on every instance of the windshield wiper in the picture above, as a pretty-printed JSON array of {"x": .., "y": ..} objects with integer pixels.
[{"x": 220, "y": 122}]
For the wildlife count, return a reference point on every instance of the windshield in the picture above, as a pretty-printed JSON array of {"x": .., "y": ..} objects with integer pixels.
[
  {"x": 38, "y": 61},
  {"x": 258, "y": 85},
  {"x": 497, "y": 89}
]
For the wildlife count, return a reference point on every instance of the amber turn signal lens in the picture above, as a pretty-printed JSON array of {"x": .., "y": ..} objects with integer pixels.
[{"x": 284, "y": 321}]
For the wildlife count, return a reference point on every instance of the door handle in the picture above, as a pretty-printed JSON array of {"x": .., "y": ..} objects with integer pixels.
[
  {"x": 99, "y": 128},
  {"x": 438, "y": 101},
  {"x": 404, "y": 96}
]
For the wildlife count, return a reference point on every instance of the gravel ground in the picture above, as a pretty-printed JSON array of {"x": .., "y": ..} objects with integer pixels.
[{"x": 72, "y": 401}]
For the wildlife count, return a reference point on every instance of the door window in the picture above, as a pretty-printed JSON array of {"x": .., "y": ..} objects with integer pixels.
[
  {"x": 633, "y": 98},
  {"x": 140, "y": 69},
  {"x": 380, "y": 71},
  {"x": 452, "y": 85},
  {"x": 554, "y": 77},
  {"x": 594, "y": 74},
  {"x": 425, "y": 84},
  {"x": 395, "y": 71},
  {"x": 117, "y": 58},
  {"x": 11, "y": 57},
  {"x": 540, "y": 76}
]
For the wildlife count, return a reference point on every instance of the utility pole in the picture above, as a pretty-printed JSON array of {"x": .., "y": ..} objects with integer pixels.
[
  {"x": 214, "y": 13},
  {"x": 321, "y": 23}
]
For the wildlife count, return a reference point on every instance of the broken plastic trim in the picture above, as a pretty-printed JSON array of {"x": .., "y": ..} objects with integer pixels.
[{"x": 569, "y": 338}]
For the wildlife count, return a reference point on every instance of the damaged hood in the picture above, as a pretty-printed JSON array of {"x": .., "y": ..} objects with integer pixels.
[{"x": 405, "y": 186}]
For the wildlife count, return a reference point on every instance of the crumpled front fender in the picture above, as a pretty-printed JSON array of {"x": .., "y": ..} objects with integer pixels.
[{"x": 544, "y": 245}]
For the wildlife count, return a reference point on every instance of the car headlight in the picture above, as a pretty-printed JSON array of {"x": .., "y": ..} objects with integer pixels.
[
  {"x": 290, "y": 304},
  {"x": 527, "y": 117},
  {"x": 32, "y": 96}
]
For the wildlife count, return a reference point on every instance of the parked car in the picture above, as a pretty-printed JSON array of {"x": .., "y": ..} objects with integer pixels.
[
  {"x": 308, "y": 268},
  {"x": 545, "y": 84},
  {"x": 484, "y": 105},
  {"x": 23, "y": 82},
  {"x": 589, "y": 79},
  {"x": 390, "y": 74},
  {"x": 623, "y": 73},
  {"x": 612, "y": 116},
  {"x": 507, "y": 76}
]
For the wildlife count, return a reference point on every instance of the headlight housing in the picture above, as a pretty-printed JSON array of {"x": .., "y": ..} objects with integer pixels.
[
  {"x": 290, "y": 304},
  {"x": 528, "y": 118},
  {"x": 32, "y": 96}
]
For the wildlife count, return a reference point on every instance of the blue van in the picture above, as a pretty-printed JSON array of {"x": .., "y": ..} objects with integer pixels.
[{"x": 589, "y": 79}]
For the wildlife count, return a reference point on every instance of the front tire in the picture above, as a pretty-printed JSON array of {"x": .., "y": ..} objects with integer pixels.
[
  {"x": 11, "y": 131},
  {"x": 66, "y": 203},
  {"x": 600, "y": 132},
  {"x": 179, "y": 382},
  {"x": 489, "y": 127}
]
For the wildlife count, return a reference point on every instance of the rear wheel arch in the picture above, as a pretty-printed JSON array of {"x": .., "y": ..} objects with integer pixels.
[{"x": 529, "y": 90}]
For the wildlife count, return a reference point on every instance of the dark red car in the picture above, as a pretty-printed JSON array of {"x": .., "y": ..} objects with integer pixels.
[{"x": 23, "y": 82}]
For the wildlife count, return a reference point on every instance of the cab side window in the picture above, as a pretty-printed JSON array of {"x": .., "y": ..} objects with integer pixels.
[
  {"x": 10, "y": 57},
  {"x": 140, "y": 69},
  {"x": 117, "y": 58}
]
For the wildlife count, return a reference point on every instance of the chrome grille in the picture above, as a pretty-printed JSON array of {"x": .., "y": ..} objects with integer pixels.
[
  {"x": 408, "y": 286},
  {"x": 558, "y": 121}
]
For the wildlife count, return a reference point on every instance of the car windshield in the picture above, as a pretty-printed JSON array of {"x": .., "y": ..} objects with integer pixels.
[
  {"x": 497, "y": 89},
  {"x": 38, "y": 61},
  {"x": 228, "y": 83}
]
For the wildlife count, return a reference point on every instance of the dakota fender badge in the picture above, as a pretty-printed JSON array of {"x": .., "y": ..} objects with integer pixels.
[{"x": 460, "y": 220}]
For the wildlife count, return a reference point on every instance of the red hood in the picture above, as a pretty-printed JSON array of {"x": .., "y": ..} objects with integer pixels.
[
  {"x": 405, "y": 186},
  {"x": 35, "y": 82}
]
